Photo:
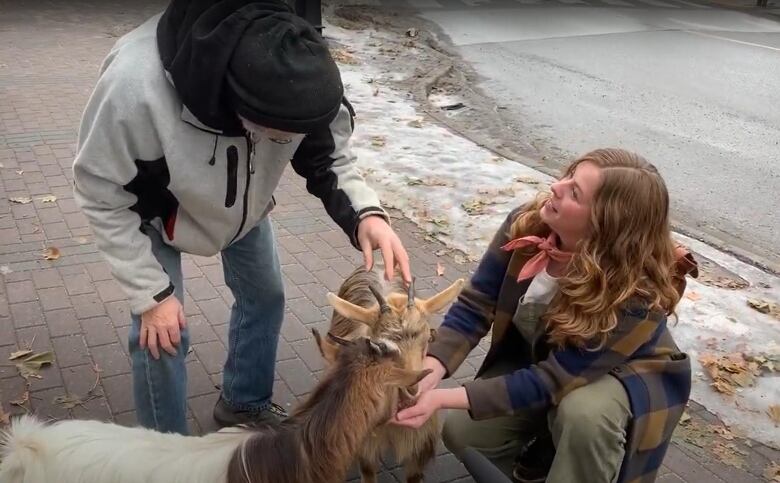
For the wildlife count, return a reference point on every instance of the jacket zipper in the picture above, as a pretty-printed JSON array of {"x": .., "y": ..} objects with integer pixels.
[
  {"x": 250, "y": 170},
  {"x": 232, "y": 177}
]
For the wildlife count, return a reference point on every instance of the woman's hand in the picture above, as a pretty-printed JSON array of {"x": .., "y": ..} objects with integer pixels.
[
  {"x": 434, "y": 378},
  {"x": 430, "y": 402}
]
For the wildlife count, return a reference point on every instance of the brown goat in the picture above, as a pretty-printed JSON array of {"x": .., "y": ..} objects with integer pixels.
[
  {"x": 318, "y": 443},
  {"x": 366, "y": 307}
]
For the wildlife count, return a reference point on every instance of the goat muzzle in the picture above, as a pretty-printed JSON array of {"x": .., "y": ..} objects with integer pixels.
[{"x": 407, "y": 397}]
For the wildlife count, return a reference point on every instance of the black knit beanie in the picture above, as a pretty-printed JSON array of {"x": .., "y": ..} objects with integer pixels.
[{"x": 282, "y": 76}]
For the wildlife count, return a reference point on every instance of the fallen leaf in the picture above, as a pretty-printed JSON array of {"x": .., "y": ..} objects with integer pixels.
[
  {"x": 722, "y": 282},
  {"x": 760, "y": 305},
  {"x": 378, "y": 141},
  {"x": 743, "y": 379},
  {"x": 723, "y": 432},
  {"x": 30, "y": 365},
  {"x": 412, "y": 32},
  {"x": 22, "y": 401},
  {"x": 685, "y": 417},
  {"x": 474, "y": 207},
  {"x": 729, "y": 454},
  {"x": 693, "y": 296},
  {"x": 47, "y": 199},
  {"x": 19, "y": 354},
  {"x": 20, "y": 172},
  {"x": 343, "y": 57},
  {"x": 376, "y": 91},
  {"x": 5, "y": 269},
  {"x": 22, "y": 200},
  {"x": 51, "y": 253},
  {"x": 439, "y": 269},
  {"x": 736, "y": 369},
  {"x": 415, "y": 123},
  {"x": 82, "y": 240},
  {"x": 68, "y": 401},
  {"x": 5, "y": 418},
  {"x": 439, "y": 222},
  {"x": 772, "y": 472},
  {"x": 765, "y": 307},
  {"x": 724, "y": 388},
  {"x": 774, "y": 413},
  {"x": 526, "y": 180}
]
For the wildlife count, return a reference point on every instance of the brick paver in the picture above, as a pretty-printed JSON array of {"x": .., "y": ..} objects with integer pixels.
[{"x": 49, "y": 57}]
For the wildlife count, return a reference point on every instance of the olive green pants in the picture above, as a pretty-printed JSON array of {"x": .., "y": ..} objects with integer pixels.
[{"x": 588, "y": 429}]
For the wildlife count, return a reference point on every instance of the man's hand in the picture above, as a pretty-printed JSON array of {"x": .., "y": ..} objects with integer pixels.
[
  {"x": 374, "y": 232},
  {"x": 161, "y": 327}
]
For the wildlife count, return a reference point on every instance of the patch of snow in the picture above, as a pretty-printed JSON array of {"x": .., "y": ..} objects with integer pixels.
[{"x": 461, "y": 193}]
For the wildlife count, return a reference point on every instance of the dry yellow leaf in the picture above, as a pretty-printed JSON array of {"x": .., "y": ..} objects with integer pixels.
[
  {"x": 378, "y": 141},
  {"x": 694, "y": 296},
  {"x": 774, "y": 413},
  {"x": 19, "y": 354},
  {"x": 765, "y": 307},
  {"x": 5, "y": 418},
  {"x": 343, "y": 57},
  {"x": 51, "y": 253},
  {"x": 30, "y": 365},
  {"x": 47, "y": 199},
  {"x": 772, "y": 472},
  {"x": 439, "y": 269},
  {"x": 22, "y": 401},
  {"x": 22, "y": 200}
]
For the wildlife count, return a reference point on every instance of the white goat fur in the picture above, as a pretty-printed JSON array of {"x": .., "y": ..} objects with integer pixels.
[{"x": 97, "y": 452}]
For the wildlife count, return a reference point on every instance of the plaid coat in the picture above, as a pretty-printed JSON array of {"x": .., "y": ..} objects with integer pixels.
[{"x": 640, "y": 353}]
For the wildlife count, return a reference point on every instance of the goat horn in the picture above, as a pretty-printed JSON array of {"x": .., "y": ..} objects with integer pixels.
[
  {"x": 410, "y": 295},
  {"x": 383, "y": 307},
  {"x": 339, "y": 340}
]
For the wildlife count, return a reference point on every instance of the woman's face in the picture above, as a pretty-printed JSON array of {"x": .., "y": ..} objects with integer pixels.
[{"x": 567, "y": 212}]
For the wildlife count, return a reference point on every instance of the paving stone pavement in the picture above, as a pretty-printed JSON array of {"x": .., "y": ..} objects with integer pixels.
[{"x": 49, "y": 56}]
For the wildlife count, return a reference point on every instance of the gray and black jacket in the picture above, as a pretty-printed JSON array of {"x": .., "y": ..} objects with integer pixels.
[{"x": 144, "y": 158}]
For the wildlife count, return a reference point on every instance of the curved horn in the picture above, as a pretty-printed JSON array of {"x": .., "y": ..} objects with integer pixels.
[
  {"x": 410, "y": 295},
  {"x": 339, "y": 340},
  {"x": 383, "y": 307}
]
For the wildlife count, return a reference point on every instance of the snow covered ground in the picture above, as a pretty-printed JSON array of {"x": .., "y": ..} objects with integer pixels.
[{"x": 461, "y": 192}]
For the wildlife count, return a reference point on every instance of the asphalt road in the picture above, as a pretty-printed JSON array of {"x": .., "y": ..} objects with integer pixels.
[{"x": 693, "y": 87}]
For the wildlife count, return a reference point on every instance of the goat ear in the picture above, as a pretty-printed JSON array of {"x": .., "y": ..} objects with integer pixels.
[
  {"x": 352, "y": 311},
  {"x": 328, "y": 351},
  {"x": 405, "y": 378},
  {"x": 443, "y": 298}
]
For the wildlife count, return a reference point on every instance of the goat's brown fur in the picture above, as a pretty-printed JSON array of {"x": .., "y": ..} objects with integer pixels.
[
  {"x": 357, "y": 313},
  {"x": 319, "y": 441}
]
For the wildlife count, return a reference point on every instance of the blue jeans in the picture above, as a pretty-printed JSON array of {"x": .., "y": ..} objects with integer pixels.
[{"x": 252, "y": 272}]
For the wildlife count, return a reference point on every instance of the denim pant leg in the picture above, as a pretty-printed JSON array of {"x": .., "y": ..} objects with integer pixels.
[
  {"x": 160, "y": 386},
  {"x": 253, "y": 274}
]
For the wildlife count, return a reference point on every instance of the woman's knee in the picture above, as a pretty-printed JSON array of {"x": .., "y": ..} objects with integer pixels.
[
  {"x": 599, "y": 410},
  {"x": 456, "y": 432}
]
